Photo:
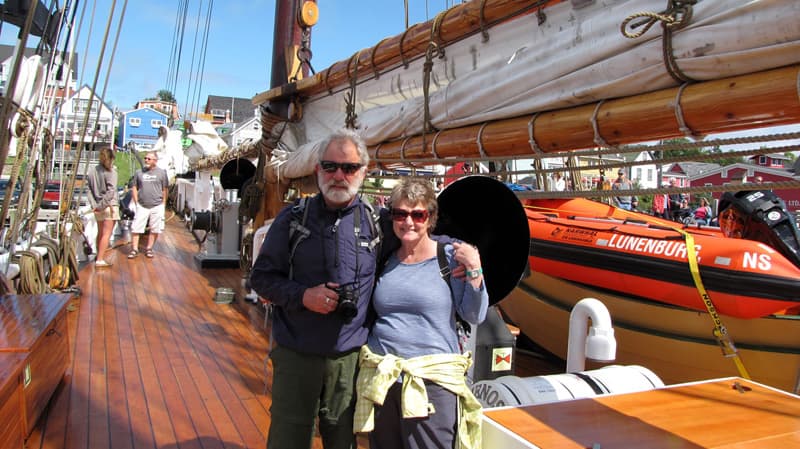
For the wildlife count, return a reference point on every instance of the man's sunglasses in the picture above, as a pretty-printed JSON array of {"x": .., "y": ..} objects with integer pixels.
[
  {"x": 348, "y": 168},
  {"x": 417, "y": 215}
]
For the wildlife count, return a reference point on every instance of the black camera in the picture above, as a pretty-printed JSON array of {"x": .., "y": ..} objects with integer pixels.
[{"x": 348, "y": 302}]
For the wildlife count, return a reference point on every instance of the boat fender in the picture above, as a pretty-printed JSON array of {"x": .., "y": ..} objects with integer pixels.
[{"x": 522, "y": 391}]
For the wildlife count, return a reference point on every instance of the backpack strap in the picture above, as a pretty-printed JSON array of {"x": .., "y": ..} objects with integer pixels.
[
  {"x": 462, "y": 325},
  {"x": 444, "y": 267},
  {"x": 374, "y": 226},
  {"x": 297, "y": 230}
]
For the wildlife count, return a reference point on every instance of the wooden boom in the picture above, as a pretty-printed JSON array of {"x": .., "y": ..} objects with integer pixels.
[{"x": 763, "y": 99}]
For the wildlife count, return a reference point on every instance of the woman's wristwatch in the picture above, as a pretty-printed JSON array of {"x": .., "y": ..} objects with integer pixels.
[{"x": 474, "y": 274}]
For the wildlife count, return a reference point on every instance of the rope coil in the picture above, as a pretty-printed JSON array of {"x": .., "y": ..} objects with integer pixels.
[{"x": 677, "y": 15}]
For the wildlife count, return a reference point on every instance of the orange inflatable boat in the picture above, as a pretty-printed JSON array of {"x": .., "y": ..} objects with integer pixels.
[{"x": 629, "y": 253}]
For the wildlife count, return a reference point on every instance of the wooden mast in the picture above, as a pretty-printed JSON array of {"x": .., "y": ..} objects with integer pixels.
[{"x": 288, "y": 34}]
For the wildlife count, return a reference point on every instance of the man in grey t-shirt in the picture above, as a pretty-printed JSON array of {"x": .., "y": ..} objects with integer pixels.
[{"x": 149, "y": 198}]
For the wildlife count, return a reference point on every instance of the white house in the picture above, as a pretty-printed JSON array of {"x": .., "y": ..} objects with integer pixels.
[
  {"x": 645, "y": 172},
  {"x": 244, "y": 132},
  {"x": 72, "y": 114}
]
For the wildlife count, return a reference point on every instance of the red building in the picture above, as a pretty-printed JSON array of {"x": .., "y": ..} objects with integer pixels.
[
  {"x": 774, "y": 160},
  {"x": 750, "y": 173}
]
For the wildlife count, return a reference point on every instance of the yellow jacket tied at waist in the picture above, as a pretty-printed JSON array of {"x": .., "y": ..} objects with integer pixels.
[{"x": 378, "y": 373}]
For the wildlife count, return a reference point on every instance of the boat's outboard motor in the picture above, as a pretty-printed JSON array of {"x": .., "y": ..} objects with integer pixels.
[{"x": 760, "y": 215}]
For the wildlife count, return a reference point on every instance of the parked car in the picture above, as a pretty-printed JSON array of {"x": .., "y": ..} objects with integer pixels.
[
  {"x": 15, "y": 194},
  {"x": 51, "y": 199}
]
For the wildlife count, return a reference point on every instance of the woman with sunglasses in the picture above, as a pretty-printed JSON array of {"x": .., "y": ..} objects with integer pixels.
[{"x": 412, "y": 357}]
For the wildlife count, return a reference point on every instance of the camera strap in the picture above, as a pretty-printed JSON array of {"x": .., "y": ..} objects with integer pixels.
[{"x": 299, "y": 232}]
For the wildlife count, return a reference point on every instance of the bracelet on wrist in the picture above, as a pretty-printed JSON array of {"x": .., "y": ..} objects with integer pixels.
[{"x": 474, "y": 274}]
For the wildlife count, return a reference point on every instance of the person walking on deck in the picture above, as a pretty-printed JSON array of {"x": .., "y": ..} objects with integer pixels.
[
  {"x": 149, "y": 199},
  {"x": 320, "y": 286}
]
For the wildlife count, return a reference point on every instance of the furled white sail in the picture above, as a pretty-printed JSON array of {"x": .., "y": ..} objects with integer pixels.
[{"x": 577, "y": 56}]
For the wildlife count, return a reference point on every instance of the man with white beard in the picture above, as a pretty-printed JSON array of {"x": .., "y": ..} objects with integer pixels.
[{"x": 317, "y": 267}]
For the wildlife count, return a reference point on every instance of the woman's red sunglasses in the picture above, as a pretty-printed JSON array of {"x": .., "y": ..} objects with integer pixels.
[{"x": 417, "y": 215}]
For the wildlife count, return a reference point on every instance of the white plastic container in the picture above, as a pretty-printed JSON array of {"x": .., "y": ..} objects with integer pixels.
[{"x": 520, "y": 391}]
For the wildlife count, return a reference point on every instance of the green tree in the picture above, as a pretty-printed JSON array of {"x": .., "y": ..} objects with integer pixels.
[
  {"x": 724, "y": 160},
  {"x": 165, "y": 95},
  {"x": 678, "y": 152}
]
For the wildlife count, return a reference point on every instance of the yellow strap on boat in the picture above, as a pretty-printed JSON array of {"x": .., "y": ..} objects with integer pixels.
[{"x": 720, "y": 331}]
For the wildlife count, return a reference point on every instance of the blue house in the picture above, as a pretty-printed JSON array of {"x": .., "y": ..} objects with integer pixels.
[{"x": 138, "y": 129}]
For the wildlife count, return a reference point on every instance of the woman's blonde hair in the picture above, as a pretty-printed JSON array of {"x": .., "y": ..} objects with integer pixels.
[{"x": 416, "y": 191}]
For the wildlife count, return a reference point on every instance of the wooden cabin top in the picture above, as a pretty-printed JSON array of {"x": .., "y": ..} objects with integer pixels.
[
  {"x": 24, "y": 318},
  {"x": 722, "y": 413}
]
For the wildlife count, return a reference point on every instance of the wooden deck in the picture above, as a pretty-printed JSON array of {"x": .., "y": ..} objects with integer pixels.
[{"x": 156, "y": 363}]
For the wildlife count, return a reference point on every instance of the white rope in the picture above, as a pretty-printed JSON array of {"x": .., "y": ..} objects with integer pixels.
[
  {"x": 480, "y": 140},
  {"x": 278, "y": 159},
  {"x": 531, "y": 138},
  {"x": 688, "y": 132},
  {"x": 433, "y": 145},
  {"x": 598, "y": 139},
  {"x": 403, "y": 149}
]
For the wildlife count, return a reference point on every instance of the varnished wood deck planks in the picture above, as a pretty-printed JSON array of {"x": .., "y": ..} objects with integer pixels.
[{"x": 156, "y": 363}]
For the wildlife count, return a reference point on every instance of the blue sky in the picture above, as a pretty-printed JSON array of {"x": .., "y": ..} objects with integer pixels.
[{"x": 239, "y": 44}]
